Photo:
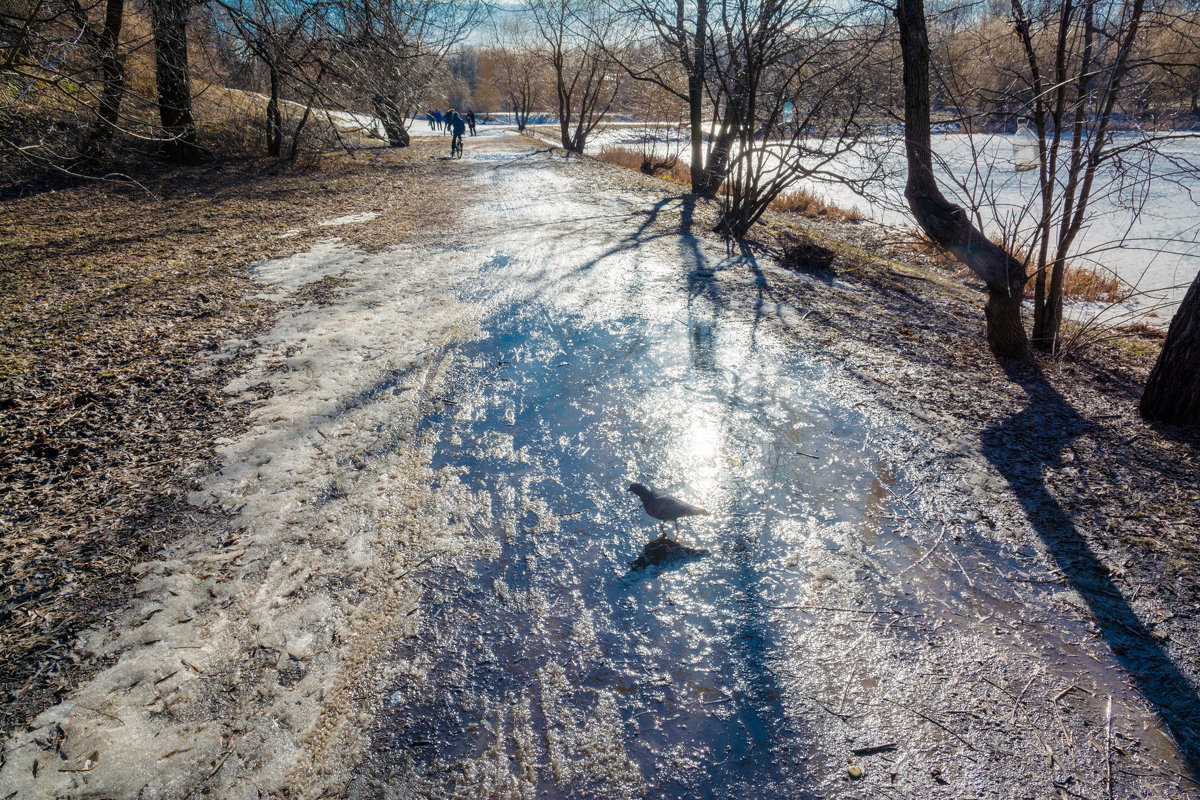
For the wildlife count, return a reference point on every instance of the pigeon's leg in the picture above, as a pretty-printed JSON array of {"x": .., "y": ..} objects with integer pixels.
[
  {"x": 676, "y": 527},
  {"x": 662, "y": 529}
]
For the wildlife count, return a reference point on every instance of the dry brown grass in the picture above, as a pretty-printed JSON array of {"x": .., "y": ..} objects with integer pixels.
[
  {"x": 1088, "y": 285},
  {"x": 621, "y": 156},
  {"x": 807, "y": 204},
  {"x": 1083, "y": 283},
  {"x": 1079, "y": 283},
  {"x": 679, "y": 172}
]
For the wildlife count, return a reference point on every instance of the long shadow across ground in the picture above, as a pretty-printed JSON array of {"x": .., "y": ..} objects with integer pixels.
[{"x": 1023, "y": 447}]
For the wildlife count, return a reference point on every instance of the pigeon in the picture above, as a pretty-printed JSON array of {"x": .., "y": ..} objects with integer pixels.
[{"x": 664, "y": 508}]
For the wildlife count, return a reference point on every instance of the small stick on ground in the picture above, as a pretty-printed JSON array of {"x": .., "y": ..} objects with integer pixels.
[
  {"x": 1065, "y": 692},
  {"x": 870, "y": 751},
  {"x": 1108, "y": 750}
]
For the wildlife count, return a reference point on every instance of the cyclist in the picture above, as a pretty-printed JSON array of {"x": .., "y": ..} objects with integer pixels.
[{"x": 459, "y": 126}]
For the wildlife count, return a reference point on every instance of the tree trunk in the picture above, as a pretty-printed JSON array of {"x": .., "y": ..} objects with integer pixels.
[
  {"x": 274, "y": 117},
  {"x": 392, "y": 120},
  {"x": 564, "y": 131},
  {"x": 112, "y": 72},
  {"x": 1047, "y": 315},
  {"x": 169, "y": 20},
  {"x": 1173, "y": 390},
  {"x": 696, "y": 97},
  {"x": 945, "y": 223},
  {"x": 716, "y": 169},
  {"x": 1005, "y": 331}
]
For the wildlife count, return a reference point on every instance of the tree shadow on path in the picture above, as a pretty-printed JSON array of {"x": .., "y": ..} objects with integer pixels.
[{"x": 1023, "y": 447}]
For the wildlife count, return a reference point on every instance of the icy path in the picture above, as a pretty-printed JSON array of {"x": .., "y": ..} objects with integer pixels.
[
  {"x": 846, "y": 602},
  {"x": 429, "y": 557}
]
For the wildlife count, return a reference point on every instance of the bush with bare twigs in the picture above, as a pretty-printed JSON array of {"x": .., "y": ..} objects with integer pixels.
[{"x": 805, "y": 254}]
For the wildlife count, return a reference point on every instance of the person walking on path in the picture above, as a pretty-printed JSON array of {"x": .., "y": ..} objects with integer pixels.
[
  {"x": 432, "y": 123},
  {"x": 437, "y": 116},
  {"x": 459, "y": 126},
  {"x": 471, "y": 121}
]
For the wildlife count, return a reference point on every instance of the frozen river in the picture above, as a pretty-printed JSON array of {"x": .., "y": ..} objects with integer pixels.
[{"x": 1156, "y": 252}]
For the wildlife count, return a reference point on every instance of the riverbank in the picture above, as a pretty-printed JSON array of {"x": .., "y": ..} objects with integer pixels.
[{"x": 1051, "y": 459}]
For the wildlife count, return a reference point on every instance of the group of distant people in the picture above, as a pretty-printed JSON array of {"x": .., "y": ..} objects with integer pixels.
[{"x": 445, "y": 122}]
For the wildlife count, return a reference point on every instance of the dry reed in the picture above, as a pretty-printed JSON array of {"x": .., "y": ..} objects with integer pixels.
[
  {"x": 1089, "y": 285},
  {"x": 808, "y": 204},
  {"x": 678, "y": 172}
]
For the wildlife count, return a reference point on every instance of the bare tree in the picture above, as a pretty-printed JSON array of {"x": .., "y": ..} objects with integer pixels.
[
  {"x": 661, "y": 136},
  {"x": 387, "y": 53},
  {"x": 946, "y": 223},
  {"x": 519, "y": 72},
  {"x": 1066, "y": 72},
  {"x": 283, "y": 38},
  {"x": 62, "y": 60},
  {"x": 666, "y": 46},
  {"x": 1074, "y": 98},
  {"x": 784, "y": 71},
  {"x": 112, "y": 76},
  {"x": 521, "y": 79},
  {"x": 586, "y": 80}
]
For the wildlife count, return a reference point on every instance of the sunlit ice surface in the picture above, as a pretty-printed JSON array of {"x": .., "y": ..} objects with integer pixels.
[
  {"x": 552, "y": 668},
  {"x": 657, "y": 678},
  {"x": 621, "y": 680}
]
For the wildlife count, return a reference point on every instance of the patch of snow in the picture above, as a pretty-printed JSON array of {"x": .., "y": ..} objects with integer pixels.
[{"x": 349, "y": 219}]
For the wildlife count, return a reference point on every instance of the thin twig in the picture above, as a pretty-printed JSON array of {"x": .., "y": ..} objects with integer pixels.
[
  {"x": 808, "y": 607},
  {"x": 1065, "y": 692},
  {"x": 1108, "y": 750},
  {"x": 220, "y": 764}
]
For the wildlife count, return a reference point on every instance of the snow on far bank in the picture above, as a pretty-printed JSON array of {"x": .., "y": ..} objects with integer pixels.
[{"x": 1156, "y": 255}]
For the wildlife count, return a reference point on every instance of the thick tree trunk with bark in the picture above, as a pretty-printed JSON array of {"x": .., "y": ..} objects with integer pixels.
[
  {"x": 112, "y": 72},
  {"x": 169, "y": 20},
  {"x": 392, "y": 121},
  {"x": 1173, "y": 390},
  {"x": 945, "y": 223}
]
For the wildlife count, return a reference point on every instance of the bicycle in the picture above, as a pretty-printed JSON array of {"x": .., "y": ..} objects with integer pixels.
[{"x": 456, "y": 146}]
